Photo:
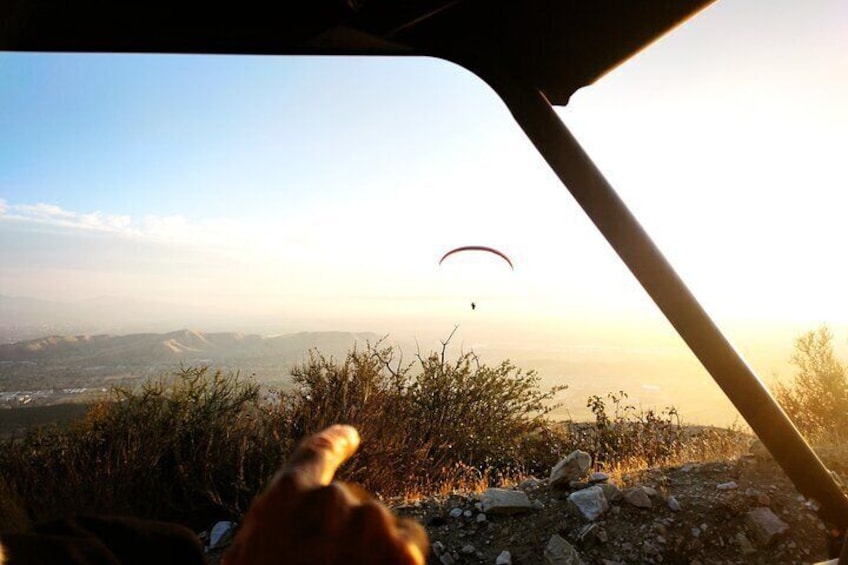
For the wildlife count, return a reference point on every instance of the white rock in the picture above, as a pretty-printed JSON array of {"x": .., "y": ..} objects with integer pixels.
[
  {"x": 505, "y": 501},
  {"x": 650, "y": 491},
  {"x": 222, "y": 534},
  {"x": 730, "y": 485},
  {"x": 598, "y": 477},
  {"x": 480, "y": 518},
  {"x": 673, "y": 504},
  {"x": 560, "y": 552},
  {"x": 572, "y": 468},
  {"x": 504, "y": 558},
  {"x": 590, "y": 502},
  {"x": 455, "y": 512},
  {"x": 765, "y": 525},
  {"x": 638, "y": 497},
  {"x": 531, "y": 483}
]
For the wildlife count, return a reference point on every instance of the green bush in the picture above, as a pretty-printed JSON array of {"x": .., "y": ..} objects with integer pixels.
[{"x": 817, "y": 398}]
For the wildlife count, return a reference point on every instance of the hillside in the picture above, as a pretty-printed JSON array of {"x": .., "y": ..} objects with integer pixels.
[
  {"x": 91, "y": 360},
  {"x": 736, "y": 511}
]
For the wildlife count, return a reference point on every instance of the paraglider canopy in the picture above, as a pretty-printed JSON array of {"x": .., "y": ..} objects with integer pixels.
[
  {"x": 482, "y": 248},
  {"x": 491, "y": 251}
]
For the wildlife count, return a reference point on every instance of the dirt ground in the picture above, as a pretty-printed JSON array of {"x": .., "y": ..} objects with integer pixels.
[{"x": 710, "y": 526}]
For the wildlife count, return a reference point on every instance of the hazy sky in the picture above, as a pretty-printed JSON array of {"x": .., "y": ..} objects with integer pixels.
[{"x": 326, "y": 189}]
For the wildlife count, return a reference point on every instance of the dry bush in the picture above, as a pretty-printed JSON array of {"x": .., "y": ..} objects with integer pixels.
[
  {"x": 817, "y": 399},
  {"x": 628, "y": 435},
  {"x": 425, "y": 423},
  {"x": 629, "y": 439},
  {"x": 199, "y": 445},
  {"x": 187, "y": 448}
]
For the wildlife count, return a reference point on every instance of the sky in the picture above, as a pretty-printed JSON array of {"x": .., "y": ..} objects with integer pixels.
[{"x": 322, "y": 191}]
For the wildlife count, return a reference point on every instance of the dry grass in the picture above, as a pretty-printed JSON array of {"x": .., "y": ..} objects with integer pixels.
[{"x": 198, "y": 446}]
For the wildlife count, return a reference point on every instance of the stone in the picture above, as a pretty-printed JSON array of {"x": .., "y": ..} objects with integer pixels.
[
  {"x": 650, "y": 491},
  {"x": 504, "y": 558},
  {"x": 505, "y": 501},
  {"x": 455, "y": 512},
  {"x": 744, "y": 544},
  {"x": 438, "y": 548},
  {"x": 468, "y": 549},
  {"x": 637, "y": 497},
  {"x": 765, "y": 525},
  {"x": 673, "y": 504},
  {"x": 572, "y": 468},
  {"x": 530, "y": 483},
  {"x": 481, "y": 517},
  {"x": 560, "y": 552},
  {"x": 611, "y": 492},
  {"x": 222, "y": 534},
  {"x": 589, "y": 502},
  {"x": 730, "y": 485},
  {"x": 587, "y": 537},
  {"x": 598, "y": 477}
]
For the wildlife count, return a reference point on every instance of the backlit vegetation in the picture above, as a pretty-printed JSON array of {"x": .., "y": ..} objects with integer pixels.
[
  {"x": 817, "y": 397},
  {"x": 198, "y": 445}
]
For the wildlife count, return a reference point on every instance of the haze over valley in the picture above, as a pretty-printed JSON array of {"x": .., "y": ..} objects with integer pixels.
[
  {"x": 236, "y": 212},
  {"x": 77, "y": 357}
]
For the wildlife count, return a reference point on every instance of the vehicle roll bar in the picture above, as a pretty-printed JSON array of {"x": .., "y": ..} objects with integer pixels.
[{"x": 608, "y": 212}]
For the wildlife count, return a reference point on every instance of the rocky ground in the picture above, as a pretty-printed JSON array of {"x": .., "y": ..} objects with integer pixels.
[{"x": 740, "y": 511}]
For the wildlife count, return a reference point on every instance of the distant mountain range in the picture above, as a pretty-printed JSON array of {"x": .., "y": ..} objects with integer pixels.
[
  {"x": 182, "y": 345},
  {"x": 86, "y": 360}
]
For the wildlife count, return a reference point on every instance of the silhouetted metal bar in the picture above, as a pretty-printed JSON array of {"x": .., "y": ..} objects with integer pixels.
[{"x": 618, "y": 225}]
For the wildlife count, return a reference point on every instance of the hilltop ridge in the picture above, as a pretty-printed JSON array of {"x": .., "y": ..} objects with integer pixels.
[{"x": 87, "y": 360}]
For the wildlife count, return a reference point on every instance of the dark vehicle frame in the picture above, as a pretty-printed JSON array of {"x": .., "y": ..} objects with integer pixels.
[{"x": 533, "y": 53}]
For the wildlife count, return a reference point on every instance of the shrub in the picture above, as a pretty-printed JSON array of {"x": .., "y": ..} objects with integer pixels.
[
  {"x": 197, "y": 446},
  {"x": 629, "y": 437},
  {"x": 187, "y": 448},
  {"x": 817, "y": 398},
  {"x": 427, "y": 422}
]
